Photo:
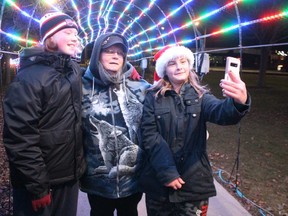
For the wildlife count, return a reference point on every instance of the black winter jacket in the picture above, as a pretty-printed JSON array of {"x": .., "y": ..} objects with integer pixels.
[
  {"x": 174, "y": 137},
  {"x": 42, "y": 122}
]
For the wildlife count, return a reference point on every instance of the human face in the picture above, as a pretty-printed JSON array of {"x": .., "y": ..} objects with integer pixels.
[
  {"x": 177, "y": 71},
  {"x": 67, "y": 41},
  {"x": 112, "y": 58}
]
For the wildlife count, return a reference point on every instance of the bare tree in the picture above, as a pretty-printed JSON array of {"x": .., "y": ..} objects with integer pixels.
[{"x": 267, "y": 32}]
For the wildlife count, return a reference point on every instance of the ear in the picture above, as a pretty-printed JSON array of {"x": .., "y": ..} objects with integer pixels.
[{"x": 117, "y": 133}]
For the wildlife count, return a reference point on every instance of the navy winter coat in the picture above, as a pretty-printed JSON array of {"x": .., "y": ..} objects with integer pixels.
[{"x": 174, "y": 137}]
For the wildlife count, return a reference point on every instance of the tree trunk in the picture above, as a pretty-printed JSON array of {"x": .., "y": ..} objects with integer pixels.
[{"x": 265, "y": 52}]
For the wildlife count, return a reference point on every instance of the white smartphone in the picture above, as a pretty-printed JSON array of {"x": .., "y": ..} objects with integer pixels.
[{"x": 232, "y": 64}]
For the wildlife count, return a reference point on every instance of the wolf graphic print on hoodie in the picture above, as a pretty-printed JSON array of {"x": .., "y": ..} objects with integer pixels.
[{"x": 111, "y": 114}]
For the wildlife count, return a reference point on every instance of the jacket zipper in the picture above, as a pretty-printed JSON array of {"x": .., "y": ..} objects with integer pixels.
[{"x": 116, "y": 141}]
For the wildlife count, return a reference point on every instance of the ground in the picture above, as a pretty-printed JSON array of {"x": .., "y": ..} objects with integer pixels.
[
  {"x": 5, "y": 190},
  {"x": 256, "y": 150},
  {"x": 257, "y": 146}
]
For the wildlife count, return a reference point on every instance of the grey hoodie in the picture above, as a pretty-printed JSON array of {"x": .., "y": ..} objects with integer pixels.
[{"x": 111, "y": 113}]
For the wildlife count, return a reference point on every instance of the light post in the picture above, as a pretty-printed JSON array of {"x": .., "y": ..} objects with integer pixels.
[
  {"x": 29, "y": 23},
  {"x": 143, "y": 65}
]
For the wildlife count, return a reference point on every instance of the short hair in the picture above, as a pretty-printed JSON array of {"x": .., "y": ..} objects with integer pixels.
[{"x": 50, "y": 45}]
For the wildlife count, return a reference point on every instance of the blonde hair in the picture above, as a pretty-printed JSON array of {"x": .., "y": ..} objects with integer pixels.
[
  {"x": 164, "y": 85},
  {"x": 49, "y": 45}
]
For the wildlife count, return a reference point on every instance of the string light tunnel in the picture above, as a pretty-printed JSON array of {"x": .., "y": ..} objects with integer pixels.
[{"x": 147, "y": 25}]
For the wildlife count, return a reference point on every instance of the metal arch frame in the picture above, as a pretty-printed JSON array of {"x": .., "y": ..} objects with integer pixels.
[
  {"x": 72, "y": 2},
  {"x": 152, "y": 20},
  {"x": 191, "y": 17},
  {"x": 114, "y": 11},
  {"x": 140, "y": 26},
  {"x": 239, "y": 29},
  {"x": 30, "y": 19},
  {"x": 175, "y": 39},
  {"x": 121, "y": 23},
  {"x": 208, "y": 35},
  {"x": 197, "y": 33},
  {"x": 237, "y": 159},
  {"x": 156, "y": 23},
  {"x": 130, "y": 16},
  {"x": 157, "y": 27},
  {"x": 136, "y": 6}
]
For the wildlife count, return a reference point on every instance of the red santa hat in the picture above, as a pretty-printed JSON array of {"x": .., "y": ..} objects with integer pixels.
[
  {"x": 168, "y": 53},
  {"x": 156, "y": 77}
]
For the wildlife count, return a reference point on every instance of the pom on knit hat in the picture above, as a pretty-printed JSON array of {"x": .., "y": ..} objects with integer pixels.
[
  {"x": 53, "y": 22},
  {"x": 168, "y": 53}
]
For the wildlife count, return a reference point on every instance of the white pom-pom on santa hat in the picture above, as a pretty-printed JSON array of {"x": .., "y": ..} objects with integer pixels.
[{"x": 168, "y": 53}]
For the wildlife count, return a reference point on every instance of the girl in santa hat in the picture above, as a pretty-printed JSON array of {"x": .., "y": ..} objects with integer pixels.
[{"x": 177, "y": 177}]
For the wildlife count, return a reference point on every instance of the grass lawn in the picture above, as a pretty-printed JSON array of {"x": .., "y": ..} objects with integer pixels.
[{"x": 262, "y": 137}]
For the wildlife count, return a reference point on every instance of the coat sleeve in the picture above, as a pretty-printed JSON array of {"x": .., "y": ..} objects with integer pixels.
[
  {"x": 223, "y": 111},
  {"x": 22, "y": 108},
  {"x": 159, "y": 155}
]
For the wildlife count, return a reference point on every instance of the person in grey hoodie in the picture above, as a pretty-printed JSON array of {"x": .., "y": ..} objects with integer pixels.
[{"x": 111, "y": 112}]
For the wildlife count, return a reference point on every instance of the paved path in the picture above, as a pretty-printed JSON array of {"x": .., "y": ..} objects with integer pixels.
[{"x": 224, "y": 204}]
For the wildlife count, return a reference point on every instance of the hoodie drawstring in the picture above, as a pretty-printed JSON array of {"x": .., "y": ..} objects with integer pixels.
[
  {"x": 124, "y": 90},
  {"x": 116, "y": 142},
  {"x": 93, "y": 86}
]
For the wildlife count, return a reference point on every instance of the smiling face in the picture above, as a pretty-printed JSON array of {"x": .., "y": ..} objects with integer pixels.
[
  {"x": 177, "y": 71},
  {"x": 67, "y": 41},
  {"x": 112, "y": 58}
]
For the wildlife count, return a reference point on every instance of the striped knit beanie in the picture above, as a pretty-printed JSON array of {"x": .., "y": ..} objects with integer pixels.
[{"x": 51, "y": 23}]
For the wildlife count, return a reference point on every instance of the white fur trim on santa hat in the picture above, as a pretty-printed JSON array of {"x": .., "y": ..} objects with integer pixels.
[{"x": 173, "y": 53}]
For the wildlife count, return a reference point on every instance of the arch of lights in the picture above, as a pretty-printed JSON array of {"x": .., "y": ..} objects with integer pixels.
[
  {"x": 147, "y": 25},
  {"x": 147, "y": 29}
]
